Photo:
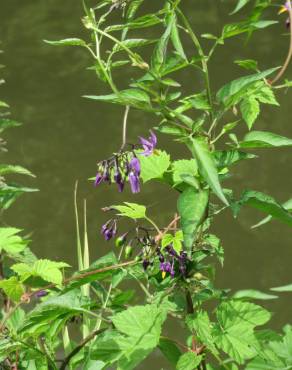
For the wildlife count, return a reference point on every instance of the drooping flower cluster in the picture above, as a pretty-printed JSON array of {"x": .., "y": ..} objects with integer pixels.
[
  {"x": 109, "y": 229},
  {"x": 125, "y": 166},
  {"x": 119, "y": 168}
]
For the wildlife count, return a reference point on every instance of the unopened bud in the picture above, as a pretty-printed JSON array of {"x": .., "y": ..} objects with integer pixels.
[{"x": 128, "y": 251}]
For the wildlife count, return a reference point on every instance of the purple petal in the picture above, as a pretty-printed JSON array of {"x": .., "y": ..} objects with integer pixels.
[
  {"x": 98, "y": 179},
  {"x": 134, "y": 183},
  {"x": 153, "y": 138},
  {"x": 135, "y": 165}
]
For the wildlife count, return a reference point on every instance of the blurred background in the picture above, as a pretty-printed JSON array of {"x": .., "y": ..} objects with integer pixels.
[{"x": 64, "y": 135}]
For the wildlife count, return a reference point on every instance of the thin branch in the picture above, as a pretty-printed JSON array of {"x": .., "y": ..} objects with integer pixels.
[
  {"x": 289, "y": 56},
  {"x": 79, "y": 347}
]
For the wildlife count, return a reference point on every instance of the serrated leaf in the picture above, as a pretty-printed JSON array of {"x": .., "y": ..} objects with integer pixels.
[
  {"x": 154, "y": 166},
  {"x": 67, "y": 42},
  {"x": 201, "y": 324},
  {"x": 183, "y": 167},
  {"x": 13, "y": 288},
  {"x": 43, "y": 268},
  {"x": 131, "y": 210},
  {"x": 207, "y": 166},
  {"x": 250, "y": 109},
  {"x": 192, "y": 206},
  {"x": 138, "y": 333},
  {"x": 235, "y": 332},
  {"x": 10, "y": 242},
  {"x": 231, "y": 89}
]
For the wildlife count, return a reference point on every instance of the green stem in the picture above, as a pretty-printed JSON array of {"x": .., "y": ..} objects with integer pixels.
[{"x": 153, "y": 224}]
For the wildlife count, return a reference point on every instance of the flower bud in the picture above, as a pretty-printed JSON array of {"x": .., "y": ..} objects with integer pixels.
[
  {"x": 128, "y": 251},
  {"x": 120, "y": 241}
]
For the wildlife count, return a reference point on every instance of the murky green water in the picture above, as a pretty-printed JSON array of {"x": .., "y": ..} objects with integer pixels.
[{"x": 64, "y": 135}]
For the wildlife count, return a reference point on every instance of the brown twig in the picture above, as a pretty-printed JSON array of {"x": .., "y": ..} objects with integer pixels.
[
  {"x": 161, "y": 234},
  {"x": 79, "y": 347},
  {"x": 289, "y": 56}
]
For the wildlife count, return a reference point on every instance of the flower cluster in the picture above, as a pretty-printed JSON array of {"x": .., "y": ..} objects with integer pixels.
[
  {"x": 124, "y": 166},
  {"x": 170, "y": 262},
  {"x": 109, "y": 229}
]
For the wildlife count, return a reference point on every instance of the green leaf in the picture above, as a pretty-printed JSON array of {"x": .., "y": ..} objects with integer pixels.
[
  {"x": 250, "y": 109},
  {"x": 200, "y": 323},
  {"x": 65, "y": 306},
  {"x": 132, "y": 97},
  {"x": 154, "y": 166},
  {"x": 207, "y": 166},
  {"x": 266, "y": 95},
  {"x": 266, "y": 204},
  {"x": 139, "y": 332},
  {"x": 175, "y": 240},
  {"x": 284, "y": 288},
  {"x": 12, "y": 288},
  {"x": 43, "y": 268},
  {"x": 264, "y": 139},
  {"x": 9, "y": 194},
  {"x": 170, "y": 350},
  {"x": 8, "y": 169},
  {"x": 159, "y": 53},
  {"x": 132, "y": 43},
  {"x": 192, "y": 206},
  {"x": 235, "y": 332},
  {"x": 189, "y": 361},
  {"x": 226, "y": 158},
  {"x": 131, "y": 210},
  {"x": 249, "y": 64},
  {"x": 10, "y": 242},
  {"x": 8, "y": 123},
  {"x": 67, "y": 42},
  {"x": 231, "y": 89},
  {"x": 175, "y": 38},
  {"x": 253, "y": 294},
  {"x": 183, "y": 167}
]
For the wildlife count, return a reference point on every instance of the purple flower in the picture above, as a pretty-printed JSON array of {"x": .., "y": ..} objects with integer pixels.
[
  {"x": 135, "y": 165},
  {"x": 134, "y": 182},
  {"x": 109, "y": 229},
  {"x": 41, "y": 293},
  {"x": 119, "y": 180},
  {"x": 98, "y": 179},
  {"x": 165, "y": 266},
  {"x": 134, "y": 173},
  {"x": 149, "y": 145}
]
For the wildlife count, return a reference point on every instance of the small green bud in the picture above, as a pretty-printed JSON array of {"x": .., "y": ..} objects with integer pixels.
[
  {"x": 120, "y": 241},
  {"x": 128, "y": 251},
  {"x": 198, "y": 276}
]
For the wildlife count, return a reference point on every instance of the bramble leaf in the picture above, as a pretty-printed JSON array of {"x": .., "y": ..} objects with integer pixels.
[
  {"x": 131, "y": 210},
  {"x": 154, "y": 166}
]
